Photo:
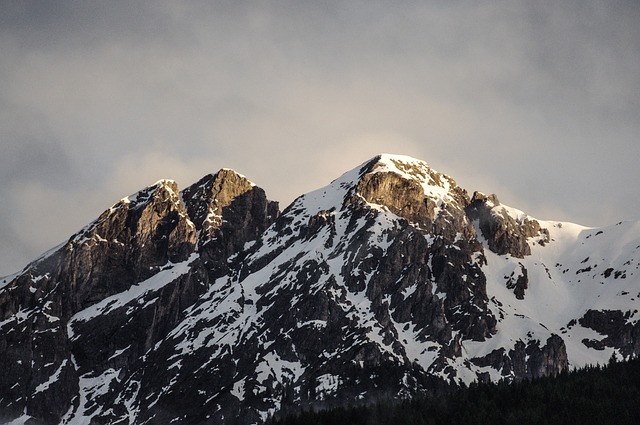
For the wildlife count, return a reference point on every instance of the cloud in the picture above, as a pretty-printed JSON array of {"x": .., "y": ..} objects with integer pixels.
[{"x": 538, "y": 103}]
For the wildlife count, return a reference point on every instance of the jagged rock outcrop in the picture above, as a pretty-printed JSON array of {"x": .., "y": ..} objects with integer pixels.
[
  {"x": 618, "y": 329},
  {"x": 505, "y": 233},
  {"x": 228, "y": 211},
  {"x": 527, "y": 361},
  {"x": 209, "y": 306}
]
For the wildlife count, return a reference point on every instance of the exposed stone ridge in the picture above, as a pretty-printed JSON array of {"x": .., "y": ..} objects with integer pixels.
[
  {"x": 616, "y": 326},
  {"x": 130, "y": 242},
  {"x": 142, "y": 197},
  {"x": 505, "y": 232},
  {"x": 410, "y": 189},
  {"x": 205, "y": 199},
  {"x": 228, "y": 210},
  {"x": 527, "y": 361}
]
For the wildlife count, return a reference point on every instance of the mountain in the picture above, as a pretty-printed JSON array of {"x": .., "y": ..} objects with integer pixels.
[{"x": 210, "y": 305}]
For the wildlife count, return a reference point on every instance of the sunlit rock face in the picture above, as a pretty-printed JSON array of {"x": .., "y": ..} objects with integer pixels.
[{"x": 210, "y": 306}]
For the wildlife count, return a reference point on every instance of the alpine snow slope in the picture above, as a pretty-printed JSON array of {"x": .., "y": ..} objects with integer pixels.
[{"x": 208, "y": 305}]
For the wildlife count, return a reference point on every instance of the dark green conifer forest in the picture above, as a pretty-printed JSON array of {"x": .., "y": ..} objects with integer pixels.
[{"x": 593, "y": 395}]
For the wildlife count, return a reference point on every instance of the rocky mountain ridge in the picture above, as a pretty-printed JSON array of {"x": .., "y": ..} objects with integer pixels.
[{"x": 210, "y": 306}]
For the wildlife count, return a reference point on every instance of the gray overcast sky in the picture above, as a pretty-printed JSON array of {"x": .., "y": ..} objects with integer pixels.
[{"x": 536, "y": 101}]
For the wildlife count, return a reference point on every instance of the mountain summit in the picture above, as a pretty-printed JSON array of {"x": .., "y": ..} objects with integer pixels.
[{"x": 210, "y": 306}]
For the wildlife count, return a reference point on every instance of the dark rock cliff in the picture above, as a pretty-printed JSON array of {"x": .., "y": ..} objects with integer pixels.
[
  {"x": 505, "y": 234},
  {"x": 228, "y": 211},
  {"x": 617, "y": 329},
  {"x": 527, "y": 361}
]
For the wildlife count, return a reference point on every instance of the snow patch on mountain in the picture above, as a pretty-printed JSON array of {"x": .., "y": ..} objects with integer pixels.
[{"x": 567, "y": 277}]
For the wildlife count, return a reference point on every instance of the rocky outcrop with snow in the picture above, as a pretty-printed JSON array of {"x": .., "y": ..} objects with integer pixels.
[{"x": 209, "y": 306}]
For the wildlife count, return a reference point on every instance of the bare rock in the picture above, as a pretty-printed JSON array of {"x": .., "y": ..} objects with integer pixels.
[
  {"x": 505, "y": 234},
  {"x": 617, "y": 330},
  {"x": 528, "y": 361},
  {"x": 228, "y": 211},
  {"x": 520, "y": 283}
]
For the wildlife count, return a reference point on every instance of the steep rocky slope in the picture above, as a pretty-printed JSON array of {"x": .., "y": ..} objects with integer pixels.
[{"x": 209, "y": 306}]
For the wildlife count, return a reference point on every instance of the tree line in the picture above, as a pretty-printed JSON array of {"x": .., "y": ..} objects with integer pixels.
[{"x": 593, "y": 395}]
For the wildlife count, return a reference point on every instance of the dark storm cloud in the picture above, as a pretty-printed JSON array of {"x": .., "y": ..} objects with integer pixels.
[{"x": 538, "y": 102}]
